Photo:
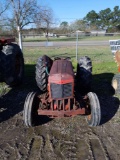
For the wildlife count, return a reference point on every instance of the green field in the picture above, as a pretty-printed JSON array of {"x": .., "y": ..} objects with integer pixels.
[
  {"x": 101, "y": 56},
  {"x": 103, "y": 63},
  {"x": 80, "y": 38},
  {"x": 104, "y": 66}
]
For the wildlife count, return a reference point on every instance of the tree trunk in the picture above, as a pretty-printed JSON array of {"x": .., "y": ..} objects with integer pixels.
[
  {"x": 19, "y": 37},
  {"x": 47, "y": 36}
]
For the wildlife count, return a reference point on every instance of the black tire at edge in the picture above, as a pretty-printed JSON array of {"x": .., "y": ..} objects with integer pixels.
[
  {"x": 95, "y": 110},
  {"x": 27, "y": 113}
]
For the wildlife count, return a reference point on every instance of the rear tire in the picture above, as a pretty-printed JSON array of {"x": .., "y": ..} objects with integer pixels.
[
  {"x": 85, "y": 62},
  {"x": 116, "y": 83},
  {"x": 84, "y": 74},
  {"x": 12, "y": 64},
  {"x": 94, "y": 117},
  {"x": 43, "y": 67},
  {"x": 30, "y": 110}
]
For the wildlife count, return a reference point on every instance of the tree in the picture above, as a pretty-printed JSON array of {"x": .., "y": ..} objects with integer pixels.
[
  {"x": 92, "y": 18},
  {"x": 23, "y": 14},
  {"x": 105, "y": 17},
  {"x": 78, "y": 25},
  {"x": 44, "y": 19},
  {"x": 64, "y": 26},
  {"x": 3, "y": 7},
  {"x": 116, "y": 17},
  {"x": 12, "y": 26}
]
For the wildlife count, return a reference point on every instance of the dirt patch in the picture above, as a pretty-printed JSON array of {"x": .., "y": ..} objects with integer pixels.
[{"x": 58, "y": 139}]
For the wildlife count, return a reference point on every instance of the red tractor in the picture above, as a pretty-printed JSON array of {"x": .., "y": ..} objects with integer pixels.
[
  {"x": 11, "y": 62},
  {"x": 63, "y": 92}
]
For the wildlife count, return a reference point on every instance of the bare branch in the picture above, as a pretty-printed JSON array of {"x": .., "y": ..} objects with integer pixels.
[
  {"x": 24, "y": 11},
  {"x": 4, "y": 8}
]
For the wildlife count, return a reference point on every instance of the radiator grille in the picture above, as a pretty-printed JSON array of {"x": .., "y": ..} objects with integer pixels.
[{"x": 61, "y": 90}]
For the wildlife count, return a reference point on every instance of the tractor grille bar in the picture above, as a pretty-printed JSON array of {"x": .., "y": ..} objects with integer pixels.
[{"x": 61, "y": 90}]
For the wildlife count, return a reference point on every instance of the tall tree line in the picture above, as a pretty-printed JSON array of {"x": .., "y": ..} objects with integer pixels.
[{"x": 105, "y": 19}]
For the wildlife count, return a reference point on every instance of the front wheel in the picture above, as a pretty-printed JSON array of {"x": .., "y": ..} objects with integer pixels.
[
  {"x": 94, "y": 116},
  {"x": 30, "y": 110},
  {"x": 43, "y": 67}
]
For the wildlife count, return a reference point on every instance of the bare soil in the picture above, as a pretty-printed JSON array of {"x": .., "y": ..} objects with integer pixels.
[{"x": 58, "y": 139}]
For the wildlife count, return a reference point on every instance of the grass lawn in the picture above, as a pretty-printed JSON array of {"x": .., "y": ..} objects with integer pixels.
[
  {"x": 101, "y": 56},
  {"x": 104, "y": 66},
  {"x": 81, "y": 38}
]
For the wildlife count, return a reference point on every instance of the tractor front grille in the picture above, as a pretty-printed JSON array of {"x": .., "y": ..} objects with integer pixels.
[{"x": 61, "y": 90}]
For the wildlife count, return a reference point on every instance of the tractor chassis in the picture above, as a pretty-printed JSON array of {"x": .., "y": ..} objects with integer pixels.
[{"x": 62, "y": 107}]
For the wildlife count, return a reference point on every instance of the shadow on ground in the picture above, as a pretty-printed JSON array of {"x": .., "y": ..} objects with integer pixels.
[
  {"x": 12, "y": 103},
  {"x": 109, "y": 107},
  {"x": 109, "y": 104}
]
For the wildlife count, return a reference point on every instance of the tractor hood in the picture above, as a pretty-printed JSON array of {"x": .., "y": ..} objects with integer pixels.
[{"x": 61, "y": 72}]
